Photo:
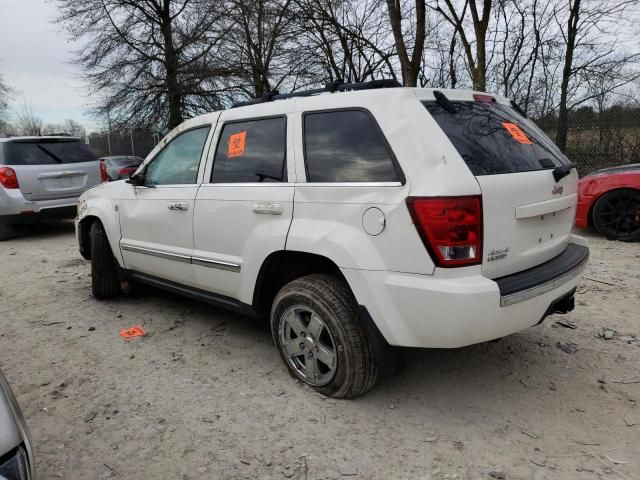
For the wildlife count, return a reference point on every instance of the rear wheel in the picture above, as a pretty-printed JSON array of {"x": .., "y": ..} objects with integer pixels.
[
  {"x": 105, "y": 281},
  {"x": 6, "y": 231},
  {"x": 314, "y": 323},
  {"x": 616, "y": 215}
]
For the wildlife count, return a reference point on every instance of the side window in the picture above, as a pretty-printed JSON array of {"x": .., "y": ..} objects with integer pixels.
[
  {"x": 177, "y": 163},
  {"x": 346, "y": 146},
  {"x": 251, "y": 151}
]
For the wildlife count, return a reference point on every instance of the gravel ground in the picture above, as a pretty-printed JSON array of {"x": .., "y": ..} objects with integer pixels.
[{"x": 205, "y": 395}]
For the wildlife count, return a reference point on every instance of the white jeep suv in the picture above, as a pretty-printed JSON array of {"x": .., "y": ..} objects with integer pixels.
[{"x": 358, "y": 218}]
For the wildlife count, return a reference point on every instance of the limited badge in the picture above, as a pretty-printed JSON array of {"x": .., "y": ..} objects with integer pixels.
[
  {"x": 236, "y": 144},
  {"x": 516, "y": 132}
]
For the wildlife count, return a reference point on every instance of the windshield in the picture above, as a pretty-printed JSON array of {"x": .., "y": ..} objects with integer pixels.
[{"x": 494, "y": 139}]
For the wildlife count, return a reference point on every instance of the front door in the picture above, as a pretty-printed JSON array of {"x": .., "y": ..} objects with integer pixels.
[{"x": 157, "y": 220}]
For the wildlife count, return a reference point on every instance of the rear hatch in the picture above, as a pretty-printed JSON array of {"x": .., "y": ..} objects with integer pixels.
[
  {"x": 527, "y": 214},
  {"x": 51, "y": 168}
]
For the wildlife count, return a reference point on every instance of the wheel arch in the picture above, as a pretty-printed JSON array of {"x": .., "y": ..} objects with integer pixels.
[{"x": 284, "y": 266}]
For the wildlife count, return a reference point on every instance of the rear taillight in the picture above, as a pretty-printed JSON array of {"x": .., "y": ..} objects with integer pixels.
[
  {"x": 104, "y": 176},
  {"x": 8, "y": 178},
  {"x": 450, "y": 227},
  {"x": 126, "y": 171}
]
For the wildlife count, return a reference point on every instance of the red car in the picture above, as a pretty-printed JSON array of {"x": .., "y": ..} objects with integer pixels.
[{"x": 609, "y": 200}]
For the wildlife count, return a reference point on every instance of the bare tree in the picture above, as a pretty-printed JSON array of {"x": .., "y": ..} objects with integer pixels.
[
  {"x": 473, "y": 38},
  {"x": 5, "y": 94},
  {"x": 409, "y": 63},
  {"x": 590, "y": 47},
  {"x": 67, "y": 127},
  {"x": 27, "y": 122},
  {"x": 259, "y": 44},
  {"x": 154, "y": 60},
  {"x": 344, "y": 39}
]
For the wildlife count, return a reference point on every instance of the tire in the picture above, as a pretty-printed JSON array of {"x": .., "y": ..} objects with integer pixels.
[
  {"x": 616, "y": 215},
  {"x": 105, "y": 281},
  {"x": 334, "y": 354},
  {"x": 6, "y": 231}
]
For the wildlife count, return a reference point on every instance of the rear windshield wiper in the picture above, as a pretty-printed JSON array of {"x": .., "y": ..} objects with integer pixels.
[
  {"x": 444, "y": 102},
  {"x": 559, "y": 172},
  {"x": 562, "y": 171}
]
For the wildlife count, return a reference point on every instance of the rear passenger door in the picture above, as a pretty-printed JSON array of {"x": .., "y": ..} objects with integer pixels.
[{"x": 244, "y": 206}]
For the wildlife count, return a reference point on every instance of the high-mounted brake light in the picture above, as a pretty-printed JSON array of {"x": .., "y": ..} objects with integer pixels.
[
  {"x": 450, "y": 227},
  {"x": 478, "y": 97},
  {"x": 8, "y": 178},
  {"x": 104, "y": 176}
]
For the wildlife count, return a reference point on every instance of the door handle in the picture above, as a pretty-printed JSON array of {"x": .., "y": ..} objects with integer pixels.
[
  {"x": 178, "y": 206},
  {"x": 268, "y": 208}
]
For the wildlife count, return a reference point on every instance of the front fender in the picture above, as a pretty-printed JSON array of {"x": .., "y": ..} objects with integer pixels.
[{"x": 102, "y": 205}]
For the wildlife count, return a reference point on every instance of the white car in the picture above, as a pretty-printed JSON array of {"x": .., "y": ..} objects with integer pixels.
[{"x": 357, "y": 218}]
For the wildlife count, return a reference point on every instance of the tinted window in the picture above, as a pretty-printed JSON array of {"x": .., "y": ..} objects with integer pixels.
[
  {"x": 346, "y": 146},
  {"x": 43, "y": 152},
  {"x": 252, "y": 151},
  {"x": 177, "y": 163},
  {"x": 494, "y": 138}
]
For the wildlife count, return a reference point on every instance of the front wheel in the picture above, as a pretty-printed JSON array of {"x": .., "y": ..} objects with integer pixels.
[
  {"x": 105, "y": 281},
  {"x": 616, "y": 215},
  {"x": 314, "y": 323}
]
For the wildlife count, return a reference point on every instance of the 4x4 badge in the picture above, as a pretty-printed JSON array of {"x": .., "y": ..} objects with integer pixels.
[
  {"x": 497, "y": 254},
  {"x": 557, "y": 190}
]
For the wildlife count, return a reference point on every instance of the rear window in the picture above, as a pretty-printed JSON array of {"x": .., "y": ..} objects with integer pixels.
[
  {"x": 494, "y": 139},
  {"x": 44, "y": 152},
  {"x": 346, "y": 146}
]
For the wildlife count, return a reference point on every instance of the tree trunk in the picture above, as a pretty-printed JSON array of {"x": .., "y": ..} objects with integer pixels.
[
  {"x": 174, "y": 99},
  {"x": 567, "y": 71},
  {"x": 410, "y": 66}
]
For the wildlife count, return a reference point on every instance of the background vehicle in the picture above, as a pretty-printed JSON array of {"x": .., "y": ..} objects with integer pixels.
[
  {"x": 119, "y": 167},
  {"x": 609, "y": 200},
  {"x": 16, "y": 453},
  {"x": 356, "y": 221},
  {"x": 42, "y": 178}
]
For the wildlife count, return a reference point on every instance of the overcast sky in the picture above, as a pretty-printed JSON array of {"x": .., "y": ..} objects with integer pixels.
[{"x": 35, "y": 60}]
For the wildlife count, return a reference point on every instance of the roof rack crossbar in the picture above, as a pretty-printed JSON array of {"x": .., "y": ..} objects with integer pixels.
[{"x": 337, "y": 86}]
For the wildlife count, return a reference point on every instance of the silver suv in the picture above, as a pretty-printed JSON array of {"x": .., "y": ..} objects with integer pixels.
[{"x": 42, "y": 177}]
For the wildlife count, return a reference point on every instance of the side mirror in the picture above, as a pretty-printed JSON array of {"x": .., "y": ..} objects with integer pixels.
[{"x": 136, "y": 180}]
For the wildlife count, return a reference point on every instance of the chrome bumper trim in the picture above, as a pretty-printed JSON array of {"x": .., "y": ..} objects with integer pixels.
[{"x": 543, "y": 288}]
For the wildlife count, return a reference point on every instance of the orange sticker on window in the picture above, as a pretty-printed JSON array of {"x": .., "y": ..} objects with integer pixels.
[
  {"x": 236, "y": 144},
  {"x": 517, "y": 133},
  {"x": 135, "y": 331}
]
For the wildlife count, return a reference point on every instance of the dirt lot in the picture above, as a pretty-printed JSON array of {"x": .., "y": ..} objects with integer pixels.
[{"x": 205, "y": 395}]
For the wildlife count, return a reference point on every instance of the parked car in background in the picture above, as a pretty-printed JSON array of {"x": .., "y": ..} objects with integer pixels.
[
  {"x": 356, "y": 218},
  {"x": 42, "y": 178},
  {"x": 121, "y": 167},
  {"x": 16, "y": 452},
  {"x": 609, "y": 200}
]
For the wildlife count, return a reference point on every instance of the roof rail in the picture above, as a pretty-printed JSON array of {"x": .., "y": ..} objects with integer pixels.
[{"x": 337, "y": 86}]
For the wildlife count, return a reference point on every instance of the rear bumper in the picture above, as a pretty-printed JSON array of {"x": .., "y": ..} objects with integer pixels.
[
  {"x": 14, "y": 208},
  {"x": 447, "y": 311}
]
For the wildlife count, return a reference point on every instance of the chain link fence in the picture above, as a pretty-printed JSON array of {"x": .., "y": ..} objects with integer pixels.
[
  {"x": 598, "y": 140},
  {"x": 595, "y": 139},
  {"x": 134, "y": 142}
]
